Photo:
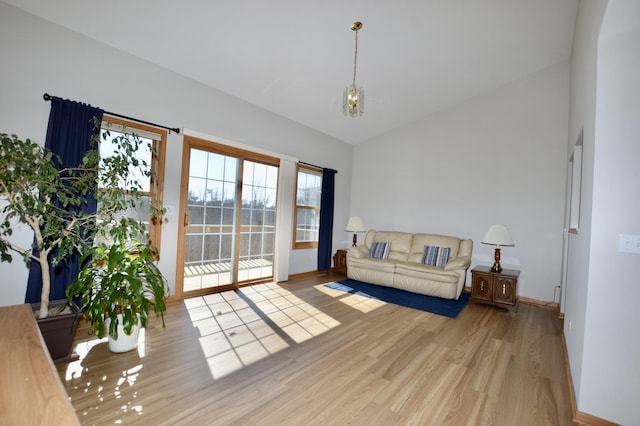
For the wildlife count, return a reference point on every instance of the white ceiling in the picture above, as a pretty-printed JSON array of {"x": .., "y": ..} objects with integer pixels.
[{"x": 294, "y": 57}]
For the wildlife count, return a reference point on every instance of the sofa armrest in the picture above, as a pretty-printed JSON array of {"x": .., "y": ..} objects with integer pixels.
[
  {"x": 357, "y": 252},
  {"x": 460, "y": 262}
]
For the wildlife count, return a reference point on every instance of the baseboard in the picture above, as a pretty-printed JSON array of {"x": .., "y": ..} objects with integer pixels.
[
  {"x": 585, "y": 419},
  {"x": 579, "y": 418},
  {"x": 310, "y": 274},
  {"x": 172, "y": 298},
  {"x": 572, "y": 393},
  {"x": 550, "y": 305}
]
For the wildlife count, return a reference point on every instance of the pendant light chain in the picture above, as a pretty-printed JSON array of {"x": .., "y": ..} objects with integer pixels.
[
  {"x": 355, "y": 60},
  {"x": 353, "y": 96}
]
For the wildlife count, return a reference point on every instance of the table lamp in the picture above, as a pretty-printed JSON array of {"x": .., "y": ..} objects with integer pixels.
[
  {"x": 497, "y": 235},
  {"x": 355, "y": 225}
]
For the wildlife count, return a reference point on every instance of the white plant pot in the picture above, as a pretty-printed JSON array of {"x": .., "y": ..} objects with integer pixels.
[{"x": 124, "y": 342}]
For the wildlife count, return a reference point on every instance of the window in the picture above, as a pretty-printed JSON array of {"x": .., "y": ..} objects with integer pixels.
[
  {"x": 151, "y": 153},
  {"x": 307, "y": 214}
]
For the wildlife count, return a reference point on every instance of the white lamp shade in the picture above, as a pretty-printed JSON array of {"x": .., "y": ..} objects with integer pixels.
[
  {"x": 498, "y": 235},
  {"x": 355, "y": 225}
]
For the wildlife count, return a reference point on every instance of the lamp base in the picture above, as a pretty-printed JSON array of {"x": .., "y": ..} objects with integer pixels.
[
  {"x": 355, "y": 239},
  {"x": 496, "y": 264}
]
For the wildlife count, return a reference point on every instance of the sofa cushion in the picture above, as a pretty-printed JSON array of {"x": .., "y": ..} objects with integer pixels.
[
  {"x": 433, "y": 240},
  {"x": 418, "y": 270},
  {"x": 379, "y": 265},
  {"x": 436, "y": 256},
  {"x": 380, "y": 250},
  {"x": 400, "y": 242}
]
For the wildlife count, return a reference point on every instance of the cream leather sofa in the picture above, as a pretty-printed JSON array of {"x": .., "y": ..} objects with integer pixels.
[{"x": 403, "y": 268}]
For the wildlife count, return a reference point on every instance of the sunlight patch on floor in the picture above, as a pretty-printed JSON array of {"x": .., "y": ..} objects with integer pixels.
[
  {"x": 74, "y": 369},
  {"x": 118, "y": 386},
  {"x": 239, "y": 328},
  {"x": 361, "y": 303}
]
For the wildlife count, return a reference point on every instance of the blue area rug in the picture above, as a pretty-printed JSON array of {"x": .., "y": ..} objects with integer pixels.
[{"x": 435, "y": 305}]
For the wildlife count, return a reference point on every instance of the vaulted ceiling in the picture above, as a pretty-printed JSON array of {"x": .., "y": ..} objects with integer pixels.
[{"x": 294, "y": 57}]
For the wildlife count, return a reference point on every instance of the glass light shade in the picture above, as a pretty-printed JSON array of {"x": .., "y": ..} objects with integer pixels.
[
  {"x": 498, "y": 235},
  {"x": 355, "y": 225},
  {"x": 353, "y": 100}
]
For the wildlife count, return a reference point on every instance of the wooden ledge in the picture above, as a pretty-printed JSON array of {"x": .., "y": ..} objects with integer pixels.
[{"x": 30, "y": 390}]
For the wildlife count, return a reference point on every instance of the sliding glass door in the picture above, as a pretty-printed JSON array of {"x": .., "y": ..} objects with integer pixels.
[{"x": 229, "y": 205}]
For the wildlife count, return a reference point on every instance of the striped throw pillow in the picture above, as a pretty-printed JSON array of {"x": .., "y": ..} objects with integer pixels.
[
  {"x": 436, "y": 256},
  {"x": 380, "y": 250}
]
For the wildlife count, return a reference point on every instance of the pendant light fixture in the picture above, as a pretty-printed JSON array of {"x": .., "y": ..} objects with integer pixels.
[{"x": 353, "y": 96}]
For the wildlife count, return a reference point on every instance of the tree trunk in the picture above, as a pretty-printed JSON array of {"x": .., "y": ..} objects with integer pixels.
[{"x": 46, "y": 284}]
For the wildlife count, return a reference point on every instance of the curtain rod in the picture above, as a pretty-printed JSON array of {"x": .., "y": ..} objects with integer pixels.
[
  {"x": 48, "y": 97},
  {"x": 317, "y": 167}
]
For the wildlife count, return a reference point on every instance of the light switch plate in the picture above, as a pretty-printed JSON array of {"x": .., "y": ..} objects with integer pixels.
[{"x": 629, "y": 243}]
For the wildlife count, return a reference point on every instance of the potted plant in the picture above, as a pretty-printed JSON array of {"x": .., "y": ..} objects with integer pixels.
[
  {"x": 119, "y": 282},
  {"x": 119, "y": 286},
  {"x": 33, "y": 190},
  {"x": 35, "y": 193}
]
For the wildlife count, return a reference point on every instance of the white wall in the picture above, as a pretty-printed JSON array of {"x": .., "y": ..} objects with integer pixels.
[
  {"x": 602, "y": 287},
  {"x": 611, "y": 379},
  {"x": 41, "y": 57},
  {"x": 497, "y": 158},
  {"x": 582, "y": 115}
]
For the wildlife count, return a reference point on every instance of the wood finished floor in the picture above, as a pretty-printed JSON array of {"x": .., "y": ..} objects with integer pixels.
[{"x": 297, "y": 353}]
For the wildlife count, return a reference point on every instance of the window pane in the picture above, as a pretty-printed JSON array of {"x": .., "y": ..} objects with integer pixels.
[
  {"x": 216, "y": 165},
  {"x": 269, "y": 240},
  {"x": 228, "y": 219},
  {"x": 138, "y": 211},
  {"x": 247, "y": 173},
  {"x": 108, "y": 148},
  {"x": 308, "y": 221},
  {"x": 197, "y": 191},
  {"x": 309, "y": 189},
  {"x": 211, "y": 248},
  {"x": 197, "y": 215},
  {"x": 198, "y": 162},
  {"x": 227, "y": 247},
  {"x": 213, "y": 216},
  {"x": 257, "y": 200},
  {"x": 244, "y": 244},
  {"x": 270, "y": 199},
  {"x": 229, "y": 194},
  {"x": 270, "y": 218},
  {"x": 272, "y": 178},
  {"x": 193, "y": 248},
  {"x": 230, "y": 169},
  {"x": 214, "y": 192}
]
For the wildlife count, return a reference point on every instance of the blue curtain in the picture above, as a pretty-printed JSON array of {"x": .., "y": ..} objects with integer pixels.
[
  {"x": 69, "y": 133},
  {"x": 326, "y": 219}
]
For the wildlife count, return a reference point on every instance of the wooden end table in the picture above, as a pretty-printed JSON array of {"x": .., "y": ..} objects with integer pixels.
[
  {"x": 340, "y": 262},
  {"x": 495, "y": 288}
]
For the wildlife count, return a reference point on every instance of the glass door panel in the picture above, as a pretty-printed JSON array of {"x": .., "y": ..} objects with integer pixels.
[
  {"x": 211, "y": 221},
  {"x": 258, "y": 220}
]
